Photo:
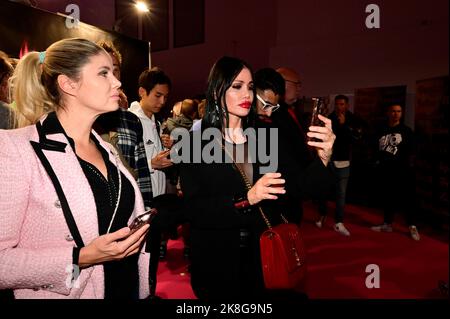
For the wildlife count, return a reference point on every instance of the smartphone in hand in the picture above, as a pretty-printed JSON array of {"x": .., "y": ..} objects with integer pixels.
[
  {"x": 142, "y": 220},
  {"x": 318, "y": 108}
]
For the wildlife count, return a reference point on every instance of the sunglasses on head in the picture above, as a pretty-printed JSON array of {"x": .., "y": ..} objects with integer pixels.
[{"x": 267, "y": 106}]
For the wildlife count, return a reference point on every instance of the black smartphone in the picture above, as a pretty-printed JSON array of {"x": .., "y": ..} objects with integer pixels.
[
  {"x": 142, "y": 220},
  {"x": 318, "y": 108}
]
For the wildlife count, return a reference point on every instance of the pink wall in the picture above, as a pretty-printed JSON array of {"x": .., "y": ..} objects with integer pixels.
[
  {"x": 326, "y": 41},
  {"x": 232, "y": 27},
  {"x": 335, "y": 52}
]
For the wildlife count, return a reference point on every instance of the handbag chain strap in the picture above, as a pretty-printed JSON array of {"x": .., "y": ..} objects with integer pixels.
[{"x": 249, "y": 186}]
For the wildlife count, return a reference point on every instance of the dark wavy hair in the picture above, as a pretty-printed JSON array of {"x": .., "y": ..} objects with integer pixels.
[{"x": 220, "y": 79}]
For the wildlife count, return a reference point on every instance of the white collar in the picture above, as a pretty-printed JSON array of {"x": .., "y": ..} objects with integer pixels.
[{"x": 140, "y": 112}]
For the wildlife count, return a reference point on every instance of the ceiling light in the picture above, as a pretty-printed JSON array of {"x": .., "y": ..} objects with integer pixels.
[{"x": 142, "y": 6}]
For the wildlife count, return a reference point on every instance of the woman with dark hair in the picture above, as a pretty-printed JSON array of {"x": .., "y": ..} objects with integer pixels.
[
  {"x": 66, "y": 199},
  {"x": 225, "y": 226}
]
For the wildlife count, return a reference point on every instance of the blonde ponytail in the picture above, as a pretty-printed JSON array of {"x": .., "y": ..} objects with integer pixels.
[
  {"x": 30, "y": 97},
  {"x": 35, "y": 80}
]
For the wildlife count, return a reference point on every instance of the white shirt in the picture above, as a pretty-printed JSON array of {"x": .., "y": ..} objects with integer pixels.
[
  {"x": 153, "y": 147},
  {"x": 134, "y": 106}
]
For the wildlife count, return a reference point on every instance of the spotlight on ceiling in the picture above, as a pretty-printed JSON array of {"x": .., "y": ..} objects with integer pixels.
[{"x": 142, "y": 6}]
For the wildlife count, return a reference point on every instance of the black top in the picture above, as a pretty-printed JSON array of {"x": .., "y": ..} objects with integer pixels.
[
  {"x": 220, "y": 268},
  {"x": 395, "y": 146},
  {"x": 346, "y": 134},
  {"x": 242, "y": 158},
  {"x": 306, "y": 176},
  {"x": 292, "y": 136},
  {"x": 121, "y": 277}
]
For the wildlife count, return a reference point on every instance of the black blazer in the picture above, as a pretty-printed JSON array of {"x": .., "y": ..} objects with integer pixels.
[
  {"x": 209, "y": 191},
  {"x": 306, "y": 176},
  {"x": 291, "y": 136}
]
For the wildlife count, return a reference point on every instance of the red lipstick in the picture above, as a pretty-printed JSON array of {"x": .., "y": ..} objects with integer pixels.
[{"x": 246, "y": 104}]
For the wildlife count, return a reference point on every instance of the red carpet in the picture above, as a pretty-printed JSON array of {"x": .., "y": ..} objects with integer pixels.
[
  {"x": 173, "y": 277},
  {"x": 337, "y": 264}
]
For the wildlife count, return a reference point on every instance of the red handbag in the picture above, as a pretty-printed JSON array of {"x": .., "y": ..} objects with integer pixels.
[{"x": 283, "y": 256}]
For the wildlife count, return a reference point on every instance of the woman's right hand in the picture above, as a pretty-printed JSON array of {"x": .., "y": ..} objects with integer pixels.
[
  {"x": 113, "y": 246},
  {"x": 264, "y": 188}
]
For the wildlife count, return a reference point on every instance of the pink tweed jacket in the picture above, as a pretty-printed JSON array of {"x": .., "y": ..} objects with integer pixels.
[{"x": 35, "y": 242}]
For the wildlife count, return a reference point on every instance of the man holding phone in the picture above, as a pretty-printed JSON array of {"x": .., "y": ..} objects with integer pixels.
[
  {"x": 297, "y": 161},
  {"x": 154, "y": 88}
]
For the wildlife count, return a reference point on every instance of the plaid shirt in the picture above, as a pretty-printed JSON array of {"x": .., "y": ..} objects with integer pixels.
[{"x": 129, "y": 130}]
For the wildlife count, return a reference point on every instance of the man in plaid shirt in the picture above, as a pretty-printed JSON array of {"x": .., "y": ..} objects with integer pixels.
[{"x": 131, "y": 145}]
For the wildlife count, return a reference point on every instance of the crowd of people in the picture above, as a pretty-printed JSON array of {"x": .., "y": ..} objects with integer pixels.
[{"x": 79, "y": 163}]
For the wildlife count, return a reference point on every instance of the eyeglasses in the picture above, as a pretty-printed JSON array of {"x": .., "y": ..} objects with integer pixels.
[{"x": 267, "y": 106}]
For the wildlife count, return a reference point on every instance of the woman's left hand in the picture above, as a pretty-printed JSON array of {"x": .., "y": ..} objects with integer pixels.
[
  {"x": 326, "y": 136},
  {"x": 266, "y": 188}
]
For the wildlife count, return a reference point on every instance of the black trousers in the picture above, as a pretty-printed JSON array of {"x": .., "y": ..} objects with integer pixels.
[
  {"x": 397, "y": 193},
  {"x": 170, "y": 213}
]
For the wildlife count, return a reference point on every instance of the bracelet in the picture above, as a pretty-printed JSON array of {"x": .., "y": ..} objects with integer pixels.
[{"x": 75, "y": 255}]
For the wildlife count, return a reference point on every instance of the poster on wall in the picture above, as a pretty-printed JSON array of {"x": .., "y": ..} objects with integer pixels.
[{"x": 431, "y": 122}]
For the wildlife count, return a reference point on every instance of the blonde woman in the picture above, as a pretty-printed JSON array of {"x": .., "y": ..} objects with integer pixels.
[{"x": 66, "y": 199}]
